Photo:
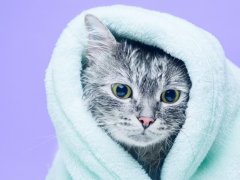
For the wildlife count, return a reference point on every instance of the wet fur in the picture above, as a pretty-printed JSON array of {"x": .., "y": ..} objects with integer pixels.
[{"x": 148, "y": 71}]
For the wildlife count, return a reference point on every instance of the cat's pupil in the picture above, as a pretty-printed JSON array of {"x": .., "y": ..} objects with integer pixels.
[
  {"x": 121, "y": 90},
  {"x": 170, "y": 95}
]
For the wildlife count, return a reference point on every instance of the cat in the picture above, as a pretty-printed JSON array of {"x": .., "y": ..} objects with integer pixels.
[{"x": 137, "y": 93}]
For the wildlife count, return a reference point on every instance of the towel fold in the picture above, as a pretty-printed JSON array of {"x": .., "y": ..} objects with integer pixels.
[{"x": 207, "y": 147}]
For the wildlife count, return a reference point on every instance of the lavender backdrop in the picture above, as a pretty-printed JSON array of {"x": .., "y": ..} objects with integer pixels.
[{"x": 28, "y": 32}]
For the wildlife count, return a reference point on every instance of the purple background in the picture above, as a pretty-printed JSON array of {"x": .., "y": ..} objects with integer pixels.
[{"x": 28, "y": 32}]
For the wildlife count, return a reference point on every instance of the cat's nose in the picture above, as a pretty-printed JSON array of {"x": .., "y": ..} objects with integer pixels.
[{"x": 146, "y": 121}]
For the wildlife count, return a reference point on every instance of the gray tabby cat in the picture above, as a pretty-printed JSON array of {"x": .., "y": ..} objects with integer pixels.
[{"x": 137, "y": 93}]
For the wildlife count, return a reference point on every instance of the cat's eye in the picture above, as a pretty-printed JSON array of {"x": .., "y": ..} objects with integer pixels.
[
  {"x": 121, "y": 91},
  {"x": 170, "y": 96}
]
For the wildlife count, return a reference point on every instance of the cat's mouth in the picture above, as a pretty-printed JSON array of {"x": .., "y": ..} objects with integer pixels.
[{"x": 141, "y": 138}]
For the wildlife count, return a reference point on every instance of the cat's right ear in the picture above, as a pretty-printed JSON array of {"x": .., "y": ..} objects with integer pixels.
[{"x": 100, "y": 39}]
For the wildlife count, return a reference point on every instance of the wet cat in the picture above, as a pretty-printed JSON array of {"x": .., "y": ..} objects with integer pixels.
[{"x": 137, "y": 93}]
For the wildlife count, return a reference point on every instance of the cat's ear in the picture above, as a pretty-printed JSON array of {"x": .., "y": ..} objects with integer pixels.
[{"x": 100, "y": 39}]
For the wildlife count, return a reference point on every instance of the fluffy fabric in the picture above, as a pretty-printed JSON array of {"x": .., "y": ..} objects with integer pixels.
[{"x": 208, "y": 145}]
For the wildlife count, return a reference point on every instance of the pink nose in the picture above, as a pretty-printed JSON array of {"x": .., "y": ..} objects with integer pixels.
[{"x": 146, "y": 121}]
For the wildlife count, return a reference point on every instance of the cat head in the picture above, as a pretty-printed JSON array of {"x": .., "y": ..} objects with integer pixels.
[{"x": 137, "y": 93}]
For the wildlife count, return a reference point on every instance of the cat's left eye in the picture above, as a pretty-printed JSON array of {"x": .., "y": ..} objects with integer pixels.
[
  {"x": 170, "y": 96},
  {"x": 121, "y": 91}
]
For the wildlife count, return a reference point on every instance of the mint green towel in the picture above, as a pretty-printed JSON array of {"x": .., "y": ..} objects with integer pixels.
[{"x": 208, "y": 146}]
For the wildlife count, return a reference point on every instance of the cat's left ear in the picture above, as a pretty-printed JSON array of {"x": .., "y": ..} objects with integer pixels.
[{"x": 100, "y": 39}]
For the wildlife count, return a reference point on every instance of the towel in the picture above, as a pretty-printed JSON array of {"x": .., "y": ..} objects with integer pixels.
[{"x": 207, "y": 147}]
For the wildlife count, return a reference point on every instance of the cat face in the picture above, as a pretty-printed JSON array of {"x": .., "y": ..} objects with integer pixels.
[{"x": 137, "y": 93}]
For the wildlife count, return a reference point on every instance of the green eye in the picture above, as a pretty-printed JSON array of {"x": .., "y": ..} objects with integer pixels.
[
  {"x": 170, "y": 96},
  {"x": 121, "y": 91}
]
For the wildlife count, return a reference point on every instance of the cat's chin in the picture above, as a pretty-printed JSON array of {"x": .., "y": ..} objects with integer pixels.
[{"x": 137, "y": 140}]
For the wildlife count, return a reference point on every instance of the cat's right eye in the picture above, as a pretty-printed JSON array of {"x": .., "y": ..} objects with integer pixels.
[
  {"x": 170, "y": 96},
  {"x": 121, "y": 91}
]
